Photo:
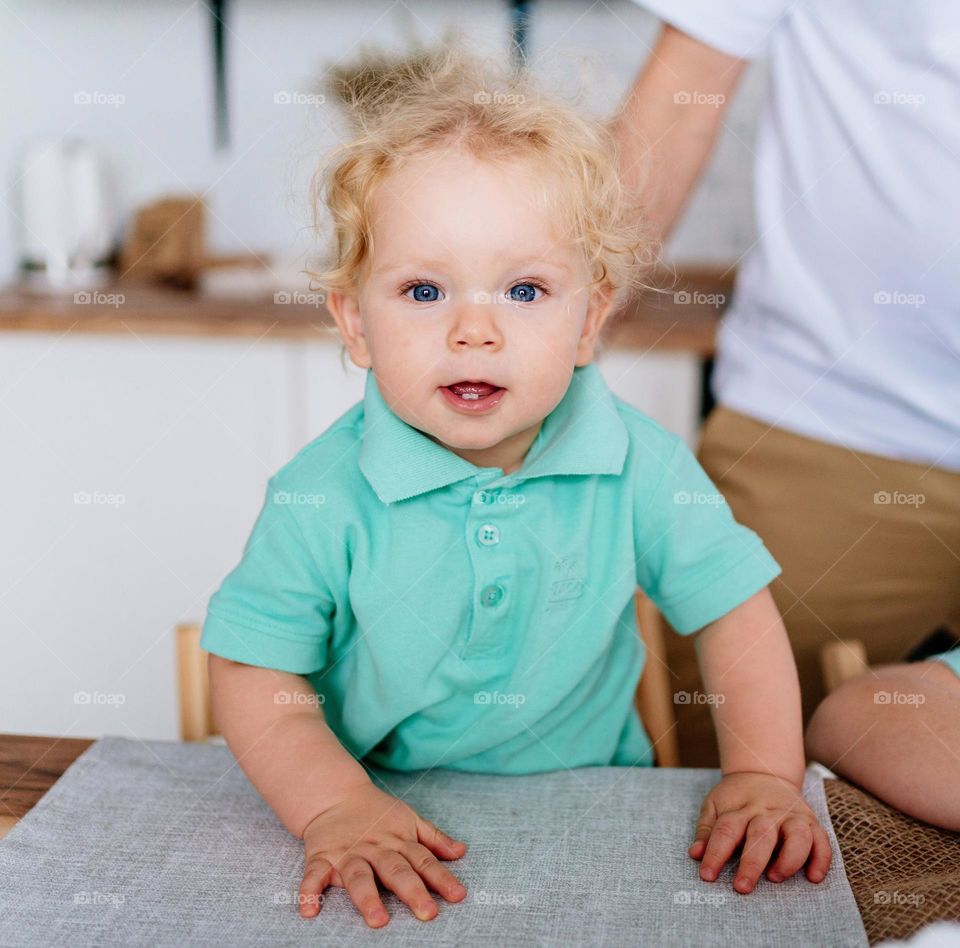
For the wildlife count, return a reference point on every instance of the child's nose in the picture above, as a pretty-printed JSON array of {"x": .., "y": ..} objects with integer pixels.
[{"x": 476, "y": 325}]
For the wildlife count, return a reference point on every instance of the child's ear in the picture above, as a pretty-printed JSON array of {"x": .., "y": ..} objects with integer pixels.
[
  {"x": 598, "y": 309},
  {"x": 345, "y": 310}
]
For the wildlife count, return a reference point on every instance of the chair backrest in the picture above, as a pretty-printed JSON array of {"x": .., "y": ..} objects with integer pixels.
[
  {"x": 653, "y": 697},
  {"x": 196, "y": 715},
  {"x": 841, "y": 661}
]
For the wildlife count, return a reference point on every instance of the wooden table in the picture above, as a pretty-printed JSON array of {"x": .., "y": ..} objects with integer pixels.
[{"x": 29, "y": 767}]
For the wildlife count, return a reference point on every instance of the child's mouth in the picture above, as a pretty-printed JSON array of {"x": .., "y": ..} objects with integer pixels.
[{"x": 472, "y": 396}]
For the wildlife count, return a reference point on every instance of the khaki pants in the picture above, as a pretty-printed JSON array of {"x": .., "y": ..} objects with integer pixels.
[{"x": 870, "y": 549}]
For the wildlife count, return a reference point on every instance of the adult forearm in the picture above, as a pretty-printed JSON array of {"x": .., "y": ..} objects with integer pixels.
[
  {"x": 669, "y": 123},
  {"x": 753, "y": 690},
  {"x": 273, "y": 724}
]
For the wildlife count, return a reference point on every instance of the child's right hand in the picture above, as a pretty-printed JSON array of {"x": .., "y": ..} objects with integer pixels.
[{"x": 372, "y": 832}]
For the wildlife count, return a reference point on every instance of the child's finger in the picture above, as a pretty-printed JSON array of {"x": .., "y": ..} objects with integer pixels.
[
  {"x": 705, "y": 821},
  {"x": 724, "y": 839},
  {"x": 358, "y": 880},
  {"x": 820, "y": 856},
  {"x": 401, "y": 878},
  {"x": 762, "y": 835},
  {"x": 316, "y": 877},
  {"x": 437, "y": 876},
  {"x": 436, "y": 840},
  {"x": 797, "y": 842}
]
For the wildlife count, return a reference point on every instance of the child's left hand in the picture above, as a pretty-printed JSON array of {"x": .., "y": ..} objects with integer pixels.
[{"x": 759, "y": 810}]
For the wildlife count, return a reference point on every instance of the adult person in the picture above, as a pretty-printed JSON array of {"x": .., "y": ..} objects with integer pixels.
[{"x": 836, "y": 435}]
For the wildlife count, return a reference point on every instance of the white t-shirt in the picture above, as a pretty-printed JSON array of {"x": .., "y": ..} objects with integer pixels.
[{"x": 845, "y": 322}]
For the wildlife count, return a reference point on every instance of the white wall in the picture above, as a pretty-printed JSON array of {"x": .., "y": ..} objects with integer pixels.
[{"x": 158, "y": 56}]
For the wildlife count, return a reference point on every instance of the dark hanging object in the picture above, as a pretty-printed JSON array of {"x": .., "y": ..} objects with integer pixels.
[
  {"x": 520, "y": 20},
  {"x": 221, "y": 124}
]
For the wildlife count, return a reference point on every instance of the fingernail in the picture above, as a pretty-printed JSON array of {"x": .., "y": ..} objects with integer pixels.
[
  {"x": 423, "y": 913},
  {"x": 458, "y": 890},
  {"x": 775, "y": 877},
  {"x": 742, "y": 881},
  {"x": 707, "y": 874},
  {"x": 816, "y": 876}
]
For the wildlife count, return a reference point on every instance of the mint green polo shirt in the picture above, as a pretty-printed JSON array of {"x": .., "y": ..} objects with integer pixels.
[{"x": 451, "y": 615}]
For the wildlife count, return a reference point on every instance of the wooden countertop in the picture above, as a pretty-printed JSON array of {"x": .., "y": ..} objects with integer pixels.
[{"x": 682, "y": 318}]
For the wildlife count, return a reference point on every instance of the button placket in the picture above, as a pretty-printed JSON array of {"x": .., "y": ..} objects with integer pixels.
[{"x": 492, "y": 559}]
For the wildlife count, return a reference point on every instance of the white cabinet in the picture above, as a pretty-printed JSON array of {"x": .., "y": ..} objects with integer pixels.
[{"x": 133, "y": 468}]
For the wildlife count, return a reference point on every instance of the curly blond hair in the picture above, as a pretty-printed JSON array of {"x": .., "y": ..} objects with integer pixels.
[{"x": 399, "y": 107}]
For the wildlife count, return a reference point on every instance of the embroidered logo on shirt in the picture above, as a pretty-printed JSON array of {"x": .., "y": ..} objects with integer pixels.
[{"x": 567, "y": 584}]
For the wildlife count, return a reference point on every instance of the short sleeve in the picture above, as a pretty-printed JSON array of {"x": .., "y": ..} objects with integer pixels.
[
  {"x": 695, "y": 561},
  {"x": 740, "y": 28},
  {"x": 273, "y": 609}
]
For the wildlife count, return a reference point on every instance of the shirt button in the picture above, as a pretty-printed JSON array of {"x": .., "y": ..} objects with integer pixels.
[
  {"x": 488, "y": 534},
  {"x": 491, "y": 595}
]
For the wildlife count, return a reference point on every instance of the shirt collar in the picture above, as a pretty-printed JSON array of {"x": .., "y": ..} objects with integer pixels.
[{"x": 584, "y": 434}]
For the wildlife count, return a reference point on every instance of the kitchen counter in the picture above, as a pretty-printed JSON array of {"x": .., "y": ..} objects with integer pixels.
[{"x": 682, "y": 318}]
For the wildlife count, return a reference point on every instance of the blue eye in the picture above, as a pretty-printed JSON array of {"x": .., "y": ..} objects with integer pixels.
[
  {"x": 523, "y": 292},
  {"x": 423, "y": 292}
]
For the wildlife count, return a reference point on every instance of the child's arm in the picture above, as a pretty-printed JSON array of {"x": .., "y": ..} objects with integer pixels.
[
  {"x": 904, "y": 751},
  {"x": 274, "y": 726},
  {"x": 751, "y": 681}
]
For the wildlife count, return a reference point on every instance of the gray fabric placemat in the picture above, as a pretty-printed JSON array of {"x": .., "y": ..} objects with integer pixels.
[{"x": 163, "y": 843}]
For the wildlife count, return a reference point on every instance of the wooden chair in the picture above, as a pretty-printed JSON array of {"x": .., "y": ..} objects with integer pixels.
[
  {"x": 196, "y": 715},
  {"x": 842, "y": 660},
  {"x": 653, "y": 698}
]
